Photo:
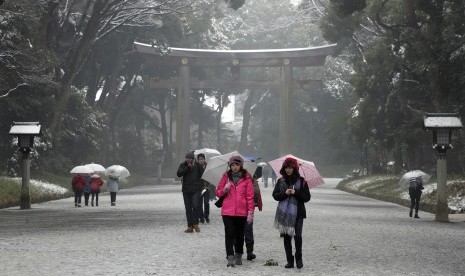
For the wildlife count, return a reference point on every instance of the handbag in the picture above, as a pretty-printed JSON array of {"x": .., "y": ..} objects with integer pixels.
[{"x": 219, "y": 202}]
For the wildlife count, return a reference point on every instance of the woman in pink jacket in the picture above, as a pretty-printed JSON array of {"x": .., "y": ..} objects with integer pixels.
[{"x": 237, "y": 209}]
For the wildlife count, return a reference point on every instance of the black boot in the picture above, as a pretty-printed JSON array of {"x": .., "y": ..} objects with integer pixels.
[
  {"x": 250, "y": 254},
  {"x": 298, "y": 261},
  {"x": 290, "y": 262},
  {"x": 416, "y": 215},
  {"x": 288, "y": 250},
  {"x": 410, "y": 213}
]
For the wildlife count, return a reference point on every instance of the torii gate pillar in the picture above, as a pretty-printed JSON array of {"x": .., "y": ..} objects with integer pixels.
[
  {"x": 183, "y": 112},
  {"x": 286, "y": 112}
]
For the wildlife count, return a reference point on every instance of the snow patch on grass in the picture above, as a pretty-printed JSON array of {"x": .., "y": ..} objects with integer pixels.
[{"x": 44, "y": 187}]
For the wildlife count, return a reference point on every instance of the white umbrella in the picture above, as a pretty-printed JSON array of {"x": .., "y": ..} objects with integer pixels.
[
  {"x": 82, "y": 169},
  {"x": 261, "y": 164},
  {"x": 218, "y": 165},
  {"x": 405, "y": 179},
  {"x": 117, "y": 171},
  {"x": 96, "y": 167},
  {"x": 209, "y": 153}
]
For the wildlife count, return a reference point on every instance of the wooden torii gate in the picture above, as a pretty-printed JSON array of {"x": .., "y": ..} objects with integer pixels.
[{"x": 186, "y": 59}]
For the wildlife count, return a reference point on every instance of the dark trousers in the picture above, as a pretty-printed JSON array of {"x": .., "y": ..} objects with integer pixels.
[
  {"x": 77, "y": 196},
  {"x": 112, "y": 197},
  {"x": 86, "y": 198},
  {"x": 234, "y": 234},
  {"x": 297, "y": 240},
  {"x": 191, "y": 204},
  {"x": 204, "y": 206},
  {"x": 96, "y": 198},
  {"x": 415, "y": 195},
  {"x": 248, "y": 236},
  {"x": 212, "y": 192}
]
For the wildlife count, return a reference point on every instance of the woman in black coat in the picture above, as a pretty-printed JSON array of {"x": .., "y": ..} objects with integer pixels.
[{"x": 292, "y": 191}]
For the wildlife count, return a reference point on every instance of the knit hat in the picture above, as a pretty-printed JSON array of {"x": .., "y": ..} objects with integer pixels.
[
  {"x": 236, "y": 159},
  {"x": 291, "y": 162},
  {"x": 190, "y": 155}
]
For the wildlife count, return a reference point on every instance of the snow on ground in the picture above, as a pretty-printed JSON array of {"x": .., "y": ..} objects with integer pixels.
[
  {"x": 455, "y": 202},
  {"x": 44, "y": 187}
]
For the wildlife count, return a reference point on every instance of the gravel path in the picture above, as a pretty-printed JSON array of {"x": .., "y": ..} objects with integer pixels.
[{"x": 344, "y": 234}]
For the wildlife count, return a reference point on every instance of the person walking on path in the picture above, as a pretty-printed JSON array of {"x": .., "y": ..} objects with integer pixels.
[
  {"x": 87, "y": 189},
  {"x": 78, "y": 183},
  {"x": 292, "y": 191},
  {"x": 248, "y": 230},
  {"x": 204, "y": 204},
  {"x": 191, "y": 173},
  {"x": 266, "y": 175},
  {"x": 236, "y": 188},
  {"x": 415, "y": 191},
  {"x": 95, "y": 183},
  {"x": 113, "y": 188},
  {"x": 273, "y": 177}
]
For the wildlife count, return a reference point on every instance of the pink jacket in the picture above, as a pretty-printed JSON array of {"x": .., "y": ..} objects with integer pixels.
[{"x": 239, "y": 199}]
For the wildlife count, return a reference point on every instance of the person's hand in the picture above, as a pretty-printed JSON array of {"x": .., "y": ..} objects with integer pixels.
[
  {"x": 227, "y": 187},
  {"x": 290, "y": 191},
  {"x": 249, "y": 217}
]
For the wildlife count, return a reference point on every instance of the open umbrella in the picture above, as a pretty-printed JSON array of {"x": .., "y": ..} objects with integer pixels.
[
  {"x": 405, "y": 179},
  {"x": 252, "y": 157},
  {"x": 307, "y": 170},
  {"x": 82, "y": 169},
  {"x": 218, "y": 165},
  {"x": 96, "y": 167},
  {"x": 117, "y": 171},
  {"x": 208, "y": 153}
]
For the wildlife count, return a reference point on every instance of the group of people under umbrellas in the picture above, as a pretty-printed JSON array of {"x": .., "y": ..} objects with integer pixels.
[
  {"x": 87, "y": 181},
  {"x": 239, "y": 194}
]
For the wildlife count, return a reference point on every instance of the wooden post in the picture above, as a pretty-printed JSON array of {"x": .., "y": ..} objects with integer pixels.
[
  {"x": 286, "y": 112},
  {"x": 183, "y": 112},
  {"x": 442, "y": 209},
  {"x": 25, "y": 199}
]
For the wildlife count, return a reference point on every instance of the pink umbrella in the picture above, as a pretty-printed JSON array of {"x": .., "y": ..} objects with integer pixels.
[{"x": 307, "y": 170}]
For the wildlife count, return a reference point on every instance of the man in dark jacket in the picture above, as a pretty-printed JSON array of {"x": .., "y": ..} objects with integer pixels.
[
  {"x": 191, "y": 173},
  {"x": 415, "y": 191}
]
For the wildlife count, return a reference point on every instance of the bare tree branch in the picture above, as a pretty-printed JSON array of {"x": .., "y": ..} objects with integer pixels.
[{"x": 14, "y": 89}]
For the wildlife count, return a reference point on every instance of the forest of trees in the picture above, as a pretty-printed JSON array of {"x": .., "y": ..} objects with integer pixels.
[{"x": 70, "y": 65}]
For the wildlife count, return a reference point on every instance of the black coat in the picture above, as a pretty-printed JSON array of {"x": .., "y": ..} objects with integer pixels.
[
  {"x": 191, "y": 177},
  {"x": 302, "y": 195}
]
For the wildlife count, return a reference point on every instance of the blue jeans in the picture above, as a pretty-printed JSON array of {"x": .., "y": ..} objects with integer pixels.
[{"x": 191, "y": 203}]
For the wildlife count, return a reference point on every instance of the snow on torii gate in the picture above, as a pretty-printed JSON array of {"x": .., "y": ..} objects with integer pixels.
[{"x": 186, "y": 58}]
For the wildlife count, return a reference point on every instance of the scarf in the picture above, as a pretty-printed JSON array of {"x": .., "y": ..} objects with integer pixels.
[
  {"x": 286, "y": 213},
  {"x": 235, "y": 177}
]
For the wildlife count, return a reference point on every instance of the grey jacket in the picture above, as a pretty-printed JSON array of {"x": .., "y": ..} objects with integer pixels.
[{"x": 113, "y": 185}]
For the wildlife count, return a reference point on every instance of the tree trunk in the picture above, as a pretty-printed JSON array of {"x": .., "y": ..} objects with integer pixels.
[
  {"x": 246, "y": 115},
  {"x": 220, "y": 100},
  {"x": 202, "y": 121},
  {"x": 75, "y": 59},
  {"x": 93, "y": 85},
  {"x": 164, "y": 131}
]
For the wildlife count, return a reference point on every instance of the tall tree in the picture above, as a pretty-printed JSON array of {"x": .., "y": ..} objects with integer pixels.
[{"x": 407, "y": 59}]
